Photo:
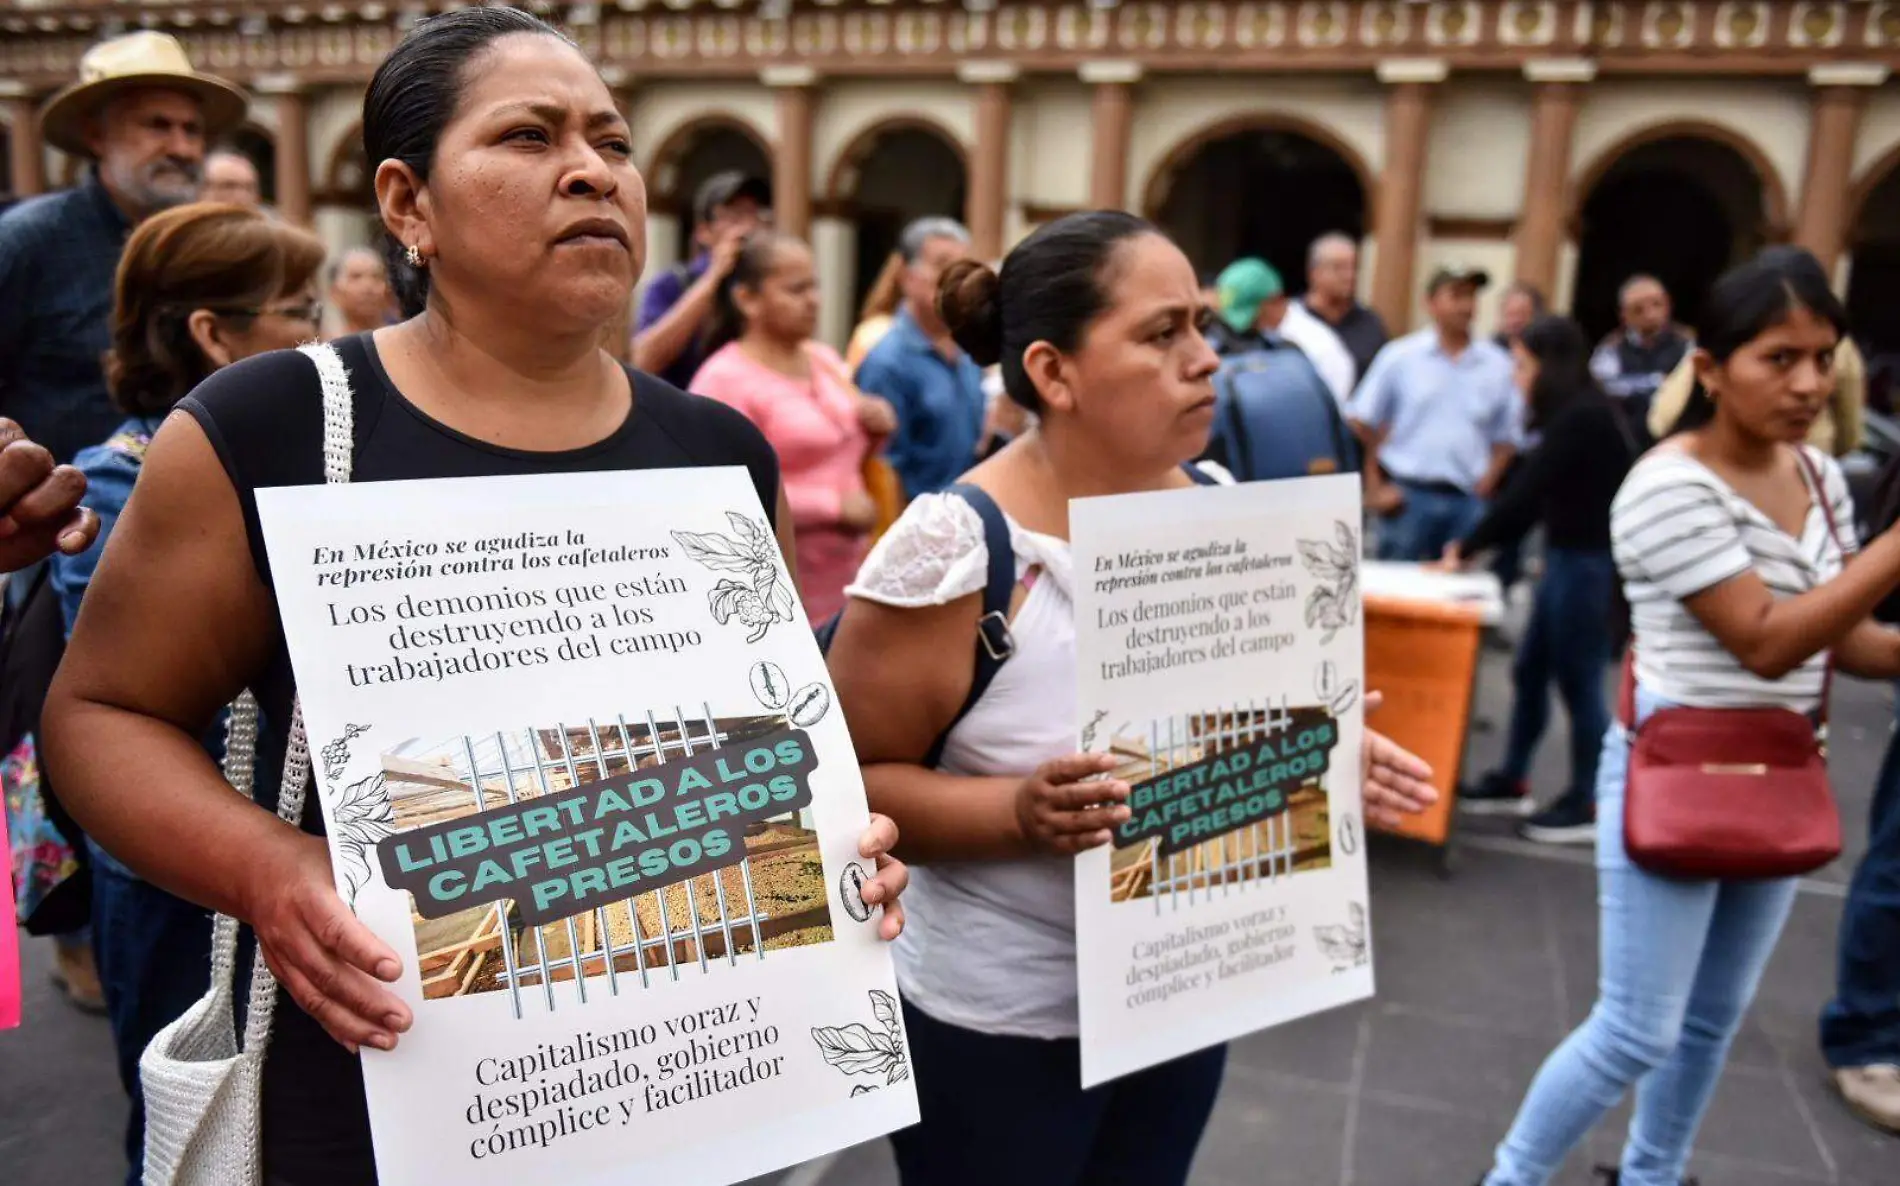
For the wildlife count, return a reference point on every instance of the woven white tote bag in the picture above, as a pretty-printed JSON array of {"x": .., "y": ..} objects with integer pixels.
[{"x": 203, "y": 1088}]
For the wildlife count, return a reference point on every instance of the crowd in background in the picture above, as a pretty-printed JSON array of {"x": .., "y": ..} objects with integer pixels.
[{"x": 163, "y": 263}]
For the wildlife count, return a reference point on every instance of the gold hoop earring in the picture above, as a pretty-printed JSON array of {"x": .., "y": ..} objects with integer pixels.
[{"x": 413, "y": 256}]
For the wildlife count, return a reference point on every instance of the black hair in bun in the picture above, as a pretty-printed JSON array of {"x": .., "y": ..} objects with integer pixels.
[
  {"x": 1051, "y": 289},
  {"x": 969, "y": 301}
]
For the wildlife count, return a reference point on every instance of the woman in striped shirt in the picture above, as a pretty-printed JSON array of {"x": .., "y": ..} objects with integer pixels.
[{"x": 1735, "y": 577}]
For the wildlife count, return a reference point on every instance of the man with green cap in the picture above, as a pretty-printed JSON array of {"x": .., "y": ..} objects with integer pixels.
[{"x": 1255, "y": 314}]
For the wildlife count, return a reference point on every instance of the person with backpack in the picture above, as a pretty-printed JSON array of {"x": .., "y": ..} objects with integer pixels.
[
  {"x": 1732, "y": 541},
  {"x": 954, "y": 661},
  {"x": 1566, "y": 483}
]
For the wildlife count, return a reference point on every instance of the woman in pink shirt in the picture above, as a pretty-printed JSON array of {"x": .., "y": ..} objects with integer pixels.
[{"x": 765, "y": 363}]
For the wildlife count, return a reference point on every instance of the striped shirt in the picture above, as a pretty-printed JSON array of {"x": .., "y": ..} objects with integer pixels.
[{"x": 1678, "y": 529}]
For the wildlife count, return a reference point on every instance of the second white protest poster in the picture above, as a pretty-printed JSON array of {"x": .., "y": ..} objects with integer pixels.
[
  {"x": 580, "y": 765},
  {"x": 1220, "y": 654}
]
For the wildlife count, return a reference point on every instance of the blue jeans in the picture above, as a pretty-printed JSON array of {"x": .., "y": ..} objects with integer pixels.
[
  {"x": 1009, "y": 1111},
  {"x": 1861, "y": 1025},
  {"x": 1679, "y": 964},
  {"x": 1567, "y": 642},
  {"x": 1430, "y": 519},
  {"x": 154, "y": 956}
]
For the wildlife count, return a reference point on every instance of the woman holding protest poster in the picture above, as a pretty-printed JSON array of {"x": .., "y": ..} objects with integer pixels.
[
  {"x": 1096, "y": 321},
  {"x": 516, "y": 218}
]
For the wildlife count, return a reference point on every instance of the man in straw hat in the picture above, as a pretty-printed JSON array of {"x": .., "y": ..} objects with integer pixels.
[{"x": 141, "y": 115}]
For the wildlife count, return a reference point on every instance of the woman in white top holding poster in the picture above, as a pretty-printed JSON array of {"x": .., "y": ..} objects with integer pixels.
[
  {"x": 1096, "y": 319},
  {"x": 1730, "y": 538}
]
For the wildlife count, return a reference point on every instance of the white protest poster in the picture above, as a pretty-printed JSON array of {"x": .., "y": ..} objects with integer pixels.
[
  {"x": 1220, "y": 653},
  {"x": 580, "y": 766}
]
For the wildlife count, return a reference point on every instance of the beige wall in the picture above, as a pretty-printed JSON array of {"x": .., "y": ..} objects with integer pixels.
[
  {"x": 1050, "y": 163},
  {"x": 1474, "y": 162},
  {"x": 659, "y": 110}
]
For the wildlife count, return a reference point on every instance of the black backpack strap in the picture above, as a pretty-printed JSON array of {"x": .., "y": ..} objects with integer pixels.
[
  {"x": 994, "y": 643},
  {"x": 1240, "y": 452}
]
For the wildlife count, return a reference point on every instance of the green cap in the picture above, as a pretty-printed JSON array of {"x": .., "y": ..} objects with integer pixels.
[{"x": 1244, "y": 286}]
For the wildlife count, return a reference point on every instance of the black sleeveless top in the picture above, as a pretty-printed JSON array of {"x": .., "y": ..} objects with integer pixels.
[{"x": 264, "y": 417}]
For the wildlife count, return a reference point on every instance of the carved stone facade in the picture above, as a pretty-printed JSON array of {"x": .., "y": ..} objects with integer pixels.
[{"x": 1481, "y": 127}]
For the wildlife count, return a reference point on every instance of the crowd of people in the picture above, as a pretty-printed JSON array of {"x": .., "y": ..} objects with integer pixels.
[{"x": 145, "y": 324}]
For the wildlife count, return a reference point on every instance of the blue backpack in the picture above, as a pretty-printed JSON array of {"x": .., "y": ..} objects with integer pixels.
[
  {"x": 1276, "y": 418},
  {"x": 994, "y": 643}
]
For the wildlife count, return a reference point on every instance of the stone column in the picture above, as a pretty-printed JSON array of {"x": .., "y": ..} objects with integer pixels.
[
  {"x": 26, "y": 157},
  {"x": 1540, "y": 226},
  {"x": 292, "y": 157},
  {"x": 1113, "y": 116},
  {"x": 989, "y": 163},
  {"x": 1408, "y": 122},
  {"x": 1840, "y": 95},
  {"x": 791, "y": 158}
]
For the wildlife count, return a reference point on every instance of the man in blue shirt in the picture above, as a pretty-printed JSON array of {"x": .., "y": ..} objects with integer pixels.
[
  {"x": 935, "y": 388},
  {"x": 1440, "y": 412},
  {"x": 679, "y": 302},
  {"x": 142, "y": 118}
]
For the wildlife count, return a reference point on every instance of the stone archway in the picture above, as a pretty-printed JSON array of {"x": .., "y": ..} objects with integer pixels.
[
  {"x": 891, "y": 173},
  {"x": 1680, "y": 201},
  {"x": 695, "y": 151},
  {"x": 1873, "y": 280},
  {"x": 1259, "y": 185}
]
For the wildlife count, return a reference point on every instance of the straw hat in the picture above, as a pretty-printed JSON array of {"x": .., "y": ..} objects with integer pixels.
[{"x": 142, "y": 59}]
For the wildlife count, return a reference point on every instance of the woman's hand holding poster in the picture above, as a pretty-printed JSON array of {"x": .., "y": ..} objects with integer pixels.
[
  {"x": 1220, "y": 653},
  {"x": 579, "y": 765}
]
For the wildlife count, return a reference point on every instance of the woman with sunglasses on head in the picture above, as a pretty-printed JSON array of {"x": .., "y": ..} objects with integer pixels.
[
  {"x": 1732, "y": 539},
  {"x": 199, "y": 287},
  {"x": 1095, "y": 319},
  {"x": 505, "y": 180}
]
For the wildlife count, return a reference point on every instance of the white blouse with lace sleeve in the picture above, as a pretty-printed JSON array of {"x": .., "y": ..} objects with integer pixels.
[{"x": 935, "y": 554}]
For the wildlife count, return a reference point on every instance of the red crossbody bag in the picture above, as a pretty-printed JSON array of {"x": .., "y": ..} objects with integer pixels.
[{"x": 1731, "y": 793}]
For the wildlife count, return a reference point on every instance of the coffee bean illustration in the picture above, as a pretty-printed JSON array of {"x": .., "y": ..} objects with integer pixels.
[
  {"x": 851, "y": 893},
  {"x": 770, "y": 685},
  {"x": 1345, "y": 700},
  {"x": 809, "y": 706},
  {"x": 1326, "y": 680}
]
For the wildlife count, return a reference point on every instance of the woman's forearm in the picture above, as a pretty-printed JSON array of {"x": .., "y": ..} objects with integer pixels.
[
  {"x": 154, "y": 799},
  {"x": 1792, "y": 630},
  {"x": 947, "y": 817}
]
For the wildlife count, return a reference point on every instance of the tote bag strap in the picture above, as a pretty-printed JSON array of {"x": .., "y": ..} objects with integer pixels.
[{"x": 240, "y": 751}]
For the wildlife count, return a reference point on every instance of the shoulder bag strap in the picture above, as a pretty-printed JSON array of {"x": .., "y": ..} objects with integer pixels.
[
  {"x": 240, "y": 759},
  {"x": 1818, "y": 486},
  {"x": 994, "y": 643}
]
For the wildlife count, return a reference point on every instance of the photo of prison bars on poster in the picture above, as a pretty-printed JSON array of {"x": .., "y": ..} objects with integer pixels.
[
  {"x": 772, "y": 899},
  {"x": 1221, "y": 799}
]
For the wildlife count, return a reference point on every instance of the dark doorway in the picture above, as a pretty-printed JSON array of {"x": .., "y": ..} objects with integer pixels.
[
  {"x": 1266, "y": 193},
  {"x": 1873, "y": 289},
  {"x": 907, "y": 174},
  {"x": 714, "y": 150},
  {"x": 257, "y": 148},
  {"x": 1681, "y": 209},
  {"x": 7, "y": 196}
]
